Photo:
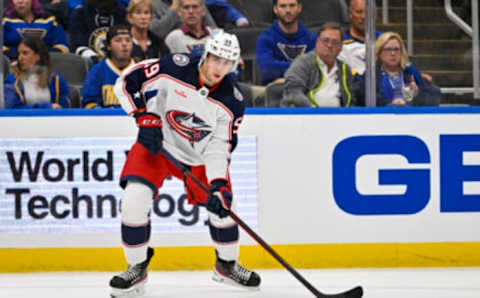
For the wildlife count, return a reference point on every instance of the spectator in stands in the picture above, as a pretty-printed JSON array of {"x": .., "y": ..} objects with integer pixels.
[
  {"x": 32, "y": 83},
  {"x": 353, "y": 52},
  {"x": 398, "y": 82},
  {"x": 58, "y": 8},
  {"x": 225, "y": 14},
  {"x": 89, "y": 24},
  {"x": 283, "y": 41},
  {"x": 354, "y": 49},
  {"x": 145, "y": 44},
  {"x": 22, "y": 18},
  {"x": 97, "y": 91},
  {"x": 191, "y": 36},
  {"x": 167, "y": 19},
  {"x": 318, "y": 78}
]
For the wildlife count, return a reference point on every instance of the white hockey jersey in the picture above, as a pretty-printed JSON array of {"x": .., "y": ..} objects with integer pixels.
[
  {"x": 354, "y": 52},
  {"x": 199, "y": 124},
  {"x": 181, "y": 40}
]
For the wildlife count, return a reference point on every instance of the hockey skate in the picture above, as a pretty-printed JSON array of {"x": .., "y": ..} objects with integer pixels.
[
  {"x": 131, "y": 283},
  {"x": 232, "y": 273}
]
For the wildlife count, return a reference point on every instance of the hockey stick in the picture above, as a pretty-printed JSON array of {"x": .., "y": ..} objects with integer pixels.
[{"x": 356, "y": 292}]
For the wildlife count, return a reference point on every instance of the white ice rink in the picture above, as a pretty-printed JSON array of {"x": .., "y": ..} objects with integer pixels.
[{"x": 377, "y": 283}]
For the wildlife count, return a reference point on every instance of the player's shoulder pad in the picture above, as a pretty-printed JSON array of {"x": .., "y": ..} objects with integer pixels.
[
  {"x": 237, "y": 94},
  {"x": 178, "y": 65},
  {"x": 231, "y": 80},
  {"x": 177, "y": 60},
  {"x": 138, "y": 67},
  {"x": 180, "y": 60},
  {"x": 231, "y": 96}
]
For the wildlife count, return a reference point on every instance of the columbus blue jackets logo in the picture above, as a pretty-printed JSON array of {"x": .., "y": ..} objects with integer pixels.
[{"x": 189, "y": 126}]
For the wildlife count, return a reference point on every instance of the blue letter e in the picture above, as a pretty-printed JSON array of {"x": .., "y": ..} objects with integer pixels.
[
  {"x": 417, "y": 181},
  {"x": 454, "y": 173}
]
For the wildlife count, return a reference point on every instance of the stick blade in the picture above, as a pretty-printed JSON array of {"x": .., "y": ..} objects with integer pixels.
[{"x": 356, "y": 292}]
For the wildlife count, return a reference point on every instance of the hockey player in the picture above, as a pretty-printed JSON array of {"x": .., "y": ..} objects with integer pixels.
[{"x": 189, "y": 105}]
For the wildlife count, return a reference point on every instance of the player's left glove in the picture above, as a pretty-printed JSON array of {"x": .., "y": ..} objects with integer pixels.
[
  {"x": 150, "y": 131},
  {"x": 220, "y": 199}
]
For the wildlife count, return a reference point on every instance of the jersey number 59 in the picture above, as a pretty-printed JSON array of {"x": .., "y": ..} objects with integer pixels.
[
  {"x": 152, "y": 70},
  {"x": 236, "y": 124}
]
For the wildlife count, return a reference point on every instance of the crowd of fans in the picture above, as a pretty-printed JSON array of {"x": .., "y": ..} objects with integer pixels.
[{"x": 302, "y": 65}]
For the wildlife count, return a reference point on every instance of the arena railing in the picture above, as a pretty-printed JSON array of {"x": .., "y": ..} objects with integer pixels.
[{"x": 473, "y": 32}]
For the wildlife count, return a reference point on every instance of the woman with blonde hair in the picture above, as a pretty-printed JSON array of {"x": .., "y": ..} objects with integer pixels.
[
  {"x": 146, "y": 45},
  {"x": 398, "y": 81},
  {"x": 32, "y": 83}
]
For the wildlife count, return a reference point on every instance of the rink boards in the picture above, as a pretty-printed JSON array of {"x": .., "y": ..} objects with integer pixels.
[{"x": 327, "y": 188}]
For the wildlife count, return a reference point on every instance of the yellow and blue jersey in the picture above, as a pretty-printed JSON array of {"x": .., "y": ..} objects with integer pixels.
[
  {"x": 97, "y": 90},
  {"x": 44, "y": 26},
  {"x": 15, "y": 93}
]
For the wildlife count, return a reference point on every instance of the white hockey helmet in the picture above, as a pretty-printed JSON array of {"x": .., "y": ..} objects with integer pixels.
[{"x": 224, "y": 45}]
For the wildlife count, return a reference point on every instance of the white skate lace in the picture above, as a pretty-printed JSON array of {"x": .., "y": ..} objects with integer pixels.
[
  {"x": 241, "y": 273},
  {"x": 131, "y": 273}
]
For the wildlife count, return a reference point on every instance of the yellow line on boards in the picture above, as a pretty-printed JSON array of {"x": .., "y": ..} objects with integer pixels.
[{"x": 356, "y": 255}]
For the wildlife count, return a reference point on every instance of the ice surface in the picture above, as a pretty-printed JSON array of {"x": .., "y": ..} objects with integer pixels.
[{"x": 377, "y": 283}]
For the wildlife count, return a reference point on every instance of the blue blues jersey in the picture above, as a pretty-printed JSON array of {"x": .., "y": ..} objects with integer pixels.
[
  {"x": 97, "y": 90},
  {"x": 15, "y": 97},
  {"x": 44, "y": 26},
  {"x": 276, "y": 50}
]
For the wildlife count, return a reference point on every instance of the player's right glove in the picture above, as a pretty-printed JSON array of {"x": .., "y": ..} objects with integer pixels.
[
  {"x": 220, "y": 199},
  {"x": 150, "y": 131}
]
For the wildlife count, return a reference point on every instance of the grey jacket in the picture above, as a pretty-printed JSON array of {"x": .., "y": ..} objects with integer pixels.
[
  {"x": 166, "y": 20},
  {"x": 304, "y": 76}
]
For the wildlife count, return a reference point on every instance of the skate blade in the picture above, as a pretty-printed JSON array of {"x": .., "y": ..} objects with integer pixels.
[
  {"x": 135, "y": 291},
  {"x": 225, "y": 280}
]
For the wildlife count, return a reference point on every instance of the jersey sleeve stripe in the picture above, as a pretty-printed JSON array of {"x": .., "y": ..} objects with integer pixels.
[
  {"x": 124, "y": 84},
  {"x": 169, "y": 78},
  {"x": 130, "y": 100}
]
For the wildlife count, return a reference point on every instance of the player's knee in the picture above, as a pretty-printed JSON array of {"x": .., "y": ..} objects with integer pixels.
[
  {"x": 220, "y": 222},
  {"x": 136, "y": 203}
]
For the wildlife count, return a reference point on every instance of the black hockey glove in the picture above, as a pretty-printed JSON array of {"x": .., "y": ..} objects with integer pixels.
[
  {"x": 150, "y": 131},
  {"x": 220, "y": 199}
]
